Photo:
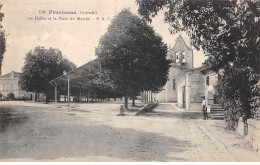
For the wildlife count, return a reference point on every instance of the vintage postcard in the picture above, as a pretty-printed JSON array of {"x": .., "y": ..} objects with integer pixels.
[{"x": 129, "y": 81}]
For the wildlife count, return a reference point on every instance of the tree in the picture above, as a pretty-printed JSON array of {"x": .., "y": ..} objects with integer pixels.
[
  {"x": 41, "y": 66},
  {"x": 229, "y": 31},
  {"x": 2, "y": 41},
  {"x": 133, "y": 56}
]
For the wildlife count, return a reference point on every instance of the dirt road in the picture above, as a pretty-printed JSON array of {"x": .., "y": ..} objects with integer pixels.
[{"x": 93, "y": 132}]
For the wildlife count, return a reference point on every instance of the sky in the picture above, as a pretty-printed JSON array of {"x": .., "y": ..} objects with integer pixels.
[{"x": 77, "y": 39}]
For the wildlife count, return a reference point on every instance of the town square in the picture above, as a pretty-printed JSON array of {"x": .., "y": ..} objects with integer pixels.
[{"x": 130, "y": 81}]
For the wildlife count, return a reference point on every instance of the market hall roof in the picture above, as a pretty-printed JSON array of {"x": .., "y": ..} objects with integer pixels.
[{"x": 83, "y": 76}]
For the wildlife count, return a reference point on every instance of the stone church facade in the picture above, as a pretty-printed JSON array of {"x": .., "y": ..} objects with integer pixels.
[{"x": 181, "y": 57}]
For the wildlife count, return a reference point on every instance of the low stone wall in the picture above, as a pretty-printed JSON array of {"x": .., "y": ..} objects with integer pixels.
[
  {"x": 148, "y": 108},
  {"x": 251, "y": 131}
]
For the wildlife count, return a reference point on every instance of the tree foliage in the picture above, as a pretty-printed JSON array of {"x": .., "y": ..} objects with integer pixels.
[
  {"x": 2, "y": 41},
  {"x": 229, "y": 32},
  {"x": 40, "y": 67},
  {"x": 133, "y": 56},
  {"x": 104, "y": 87}
]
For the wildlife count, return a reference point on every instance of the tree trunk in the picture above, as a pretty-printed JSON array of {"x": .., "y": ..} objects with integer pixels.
[
  {"x": 80, "y": 95},
  {"x": 151, "y": 96},
  {"x": 146, "y": 97},
  {"x": 47, "y": 99},
  {"x": 133, "y": 101},
  {"x": 38, "y": 97},
  {"x": 126, "y": 102},
  {"x": 35, "y": 97}
]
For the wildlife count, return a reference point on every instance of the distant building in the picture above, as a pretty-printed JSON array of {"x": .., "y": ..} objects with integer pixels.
[
  {"x": 190, "y": 87},
  {"x": 185, "y": 84},
  {"x": 211, "y": 79},
  {"x": 181, "y": 57},
  {"x": 9, "y": 83}
]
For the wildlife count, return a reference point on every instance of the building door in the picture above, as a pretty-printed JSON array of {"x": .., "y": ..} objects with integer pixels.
[{"x": 183, "y": 97}]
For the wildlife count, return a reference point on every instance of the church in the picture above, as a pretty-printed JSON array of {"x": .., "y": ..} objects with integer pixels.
[{"x": 185, "y": 84}]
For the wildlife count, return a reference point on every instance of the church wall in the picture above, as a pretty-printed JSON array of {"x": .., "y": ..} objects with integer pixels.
[
  {"x": 169, "y": 94},
  {"x": 180, "y": 84},
  {"x": 161, "y": 96}
]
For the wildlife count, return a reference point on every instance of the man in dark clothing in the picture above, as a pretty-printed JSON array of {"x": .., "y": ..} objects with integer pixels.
[{"x": 204, "y": 108}]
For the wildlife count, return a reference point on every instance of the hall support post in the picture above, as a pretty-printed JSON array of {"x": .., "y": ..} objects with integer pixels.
[
  {"x": 68, "y": 90},
  {"x": 147, "y": 97},
  {"x": 56, "y": 94},
  {"x": 151, "y": 96},
  {"x": 143, "y": 97}
]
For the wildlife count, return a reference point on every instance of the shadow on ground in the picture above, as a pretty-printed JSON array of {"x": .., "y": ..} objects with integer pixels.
[
  {"x": 9, "y": 118},
  {"x": 47, "y": 136},
  {"x": 169, "y": 111},
  {"x": 76, "y": 141}
]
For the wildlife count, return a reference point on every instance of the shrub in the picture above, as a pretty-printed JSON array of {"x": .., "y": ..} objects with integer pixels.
[{"x": 10, "y": 96}]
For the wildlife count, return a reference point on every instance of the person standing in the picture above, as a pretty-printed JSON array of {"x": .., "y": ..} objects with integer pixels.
[{"x": 204, "y": 108}]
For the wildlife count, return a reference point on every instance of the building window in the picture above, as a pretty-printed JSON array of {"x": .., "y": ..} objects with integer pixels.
[
  {"x": 207, "y": 80},
  {"x": 173, "y": 84},
  {"x": 177, "y": 57},
  {"x": 183, "y": 57}
]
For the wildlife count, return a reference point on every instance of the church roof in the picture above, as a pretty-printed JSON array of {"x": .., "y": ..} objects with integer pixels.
[
  {"x": 187, "y": 71},
  {"x": 180, "y": 40}
]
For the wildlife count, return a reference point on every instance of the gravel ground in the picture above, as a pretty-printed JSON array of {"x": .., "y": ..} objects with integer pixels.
[{"x": 93, "y": 132}]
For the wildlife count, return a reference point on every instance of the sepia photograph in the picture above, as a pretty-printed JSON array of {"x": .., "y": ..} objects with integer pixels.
[{"x": 129, "y": 81}]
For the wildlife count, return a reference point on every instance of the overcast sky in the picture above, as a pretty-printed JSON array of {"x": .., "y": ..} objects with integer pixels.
[{"x": 76, "y": 39}]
